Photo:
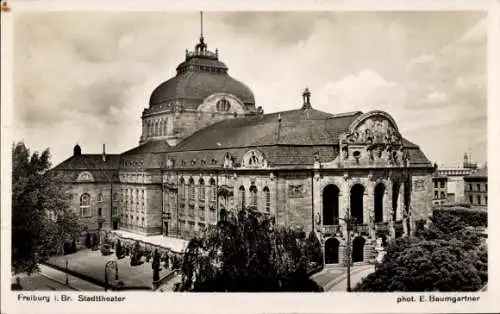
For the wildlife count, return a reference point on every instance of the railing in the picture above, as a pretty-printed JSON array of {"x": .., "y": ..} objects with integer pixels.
[
  {"x": 332, "y": 229},
  {"x": 381, "y": 226},
  {"x": 203, "y": 53},
  {"x": 362, "y": 228}
]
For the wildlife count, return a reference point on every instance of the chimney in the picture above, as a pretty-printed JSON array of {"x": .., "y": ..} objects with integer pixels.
[{"x": 104, "y": 152}]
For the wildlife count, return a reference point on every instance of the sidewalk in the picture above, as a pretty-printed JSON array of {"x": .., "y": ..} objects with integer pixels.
[
  {"x": 333, "y": 278},
  {"x": 74, "y": 283},
  {"x": 175, "y": 244}
]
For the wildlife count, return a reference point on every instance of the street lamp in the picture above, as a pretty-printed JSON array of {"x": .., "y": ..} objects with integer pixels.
[
  {"x": 111, "y": 265},
  {"x": 350, "y": 222}
]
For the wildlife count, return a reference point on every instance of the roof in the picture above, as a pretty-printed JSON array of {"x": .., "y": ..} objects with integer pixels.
[
  {"x": 196, "y": 84},
  {"x": 295, "y": 127},
  {"x": 481, "y": 173},
  {"x": 90, "y": 162},
  {"x": 152, "y": 146}
]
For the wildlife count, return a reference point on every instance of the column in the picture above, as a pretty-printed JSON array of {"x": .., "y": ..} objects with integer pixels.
[{"x": 401, "y": 202}]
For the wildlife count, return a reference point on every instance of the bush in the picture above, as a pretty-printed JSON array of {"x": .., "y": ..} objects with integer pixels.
[
  {"x": 313, "y": 251},
  {"x": 106, "y": 249},
  {"x": 473, "y": 218}
]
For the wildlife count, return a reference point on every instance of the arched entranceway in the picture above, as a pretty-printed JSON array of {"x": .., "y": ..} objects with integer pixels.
[
  {"x": 357, "y": 193},
  {"x": 395, "y": 198},
  {"x": 358, "y": 245},
  {"x": 379, "y": 202},
  {"x": 332, "y": 251},
  {"x": 330, "y": 205}
]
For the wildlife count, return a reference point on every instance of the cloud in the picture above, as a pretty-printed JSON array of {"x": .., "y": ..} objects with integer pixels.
[
  {"x": 436, "y": 97},
  {"x": 364, "y": 90}
]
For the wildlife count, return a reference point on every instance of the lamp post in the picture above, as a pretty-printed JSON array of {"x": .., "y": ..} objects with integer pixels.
[
  {"x": 349, "y": 221},
  {"x": 111, "y": 265},
  {"x": 67, "y": 279}
]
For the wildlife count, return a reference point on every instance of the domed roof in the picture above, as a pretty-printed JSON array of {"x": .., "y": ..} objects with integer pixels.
[{"x": 199, "y": 76}]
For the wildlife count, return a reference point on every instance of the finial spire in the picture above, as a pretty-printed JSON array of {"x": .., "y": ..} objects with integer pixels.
[
  {"x": 201, "y": 24},
  {"x": 307, "y": 99}
]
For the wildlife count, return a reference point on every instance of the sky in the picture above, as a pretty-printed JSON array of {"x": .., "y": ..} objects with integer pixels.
[{"x": 85, "y": 77}]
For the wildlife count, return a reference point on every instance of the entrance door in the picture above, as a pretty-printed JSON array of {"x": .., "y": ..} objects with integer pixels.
[
  {"x": 115, "y": 224},
  {"x": 165, "y": 228},
  {"x": 332, "y": 251},
  {"x": 357, "y": 249}
]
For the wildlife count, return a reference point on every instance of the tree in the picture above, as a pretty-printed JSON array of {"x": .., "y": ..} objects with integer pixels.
[
  {"x": 156, "y": 266},
  {"x": 444, "y": 256},
  {"x": 245, "y": 252},
  {"x": 41, "y": 218},
  {"x": 118, "y": 249}
]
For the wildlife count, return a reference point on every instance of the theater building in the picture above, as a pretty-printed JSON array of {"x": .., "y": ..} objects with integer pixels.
[{"x": 205, "y": 145}]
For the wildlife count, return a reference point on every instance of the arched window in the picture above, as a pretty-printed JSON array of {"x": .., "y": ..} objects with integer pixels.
[
  {"x": 267, "y": 199},
  {"x": 331, "y": 205},
  {"x": 379, "y": 202},
  {"x": 191, "y": 189},
  {"x": 99, "y": 197},
  {"x": 181, "y": 189},
  {"x": 201, "y": 191},
  {"x": 242, "y": 197},
  {"x": 253, "y": 195},
  {"x": 357, "y": 193},
  {"x": 223, "y": 105},
  {"x": 85, "y": 210},
  {"x": 213, "y": 190}
]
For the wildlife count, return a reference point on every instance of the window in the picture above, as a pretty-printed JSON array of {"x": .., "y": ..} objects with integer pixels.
[
  {"x": 442, "y": 184},
  {"x": 99, "y": 212},
  {"x": 436, "y": 193},
  {"x": 115, "y": 211},
  {"x": 486, "y": 200},
  {"x": 191, "y": 189},
  {"x": 85, "y": 210},
  {"x": 253, "y": 195},
  {"x": 470, "y": 187},
  {"x": 486, "y": 187},
  {"x": 267, "y": 199},
  {"x": 443, "y": 196},
  {"x": 181, "y": 189},
  {"x": 99, "y": 197},
  {"x": 471, "y": 199},
  {"x": 478, "y": 187},
  {"x": 435, "y": 184},
  {"x": 242, "y": 197},
  {"x": 478, "y": 200},
  {"x": 213, "y": 190},
  {"x": 201, "y": 191},
  {"x": 99, "y": 225}
]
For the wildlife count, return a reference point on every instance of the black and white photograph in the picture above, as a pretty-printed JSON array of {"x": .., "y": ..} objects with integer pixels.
[{"x": 247, "y": 151}]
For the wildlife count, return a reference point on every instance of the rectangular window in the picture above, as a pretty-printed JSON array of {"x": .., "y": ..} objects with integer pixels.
[
  {"x": 478, "y": 187},
  {"x": 435, "y": 184},
  {"x": 470, "y": 187},
  {"x": 443, "y": 196},
  {"x": 442, "y": 184},
  {"x": 85, "y": 211},
  {"x": 471, "y": 199},
  {"x": 436, "y": 195},
  {"x": 99, "y": 212},
  {"x": 486, "y": 200},
  {"x": 478, "y": 199}
]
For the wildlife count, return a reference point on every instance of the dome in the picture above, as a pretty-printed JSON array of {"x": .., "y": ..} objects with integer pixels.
[{"x": 199, "y": 76}]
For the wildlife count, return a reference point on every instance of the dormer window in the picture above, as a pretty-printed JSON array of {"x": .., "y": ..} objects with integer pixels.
[{"x": 223, "y": 105}]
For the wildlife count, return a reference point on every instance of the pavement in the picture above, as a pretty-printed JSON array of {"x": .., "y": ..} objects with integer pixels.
[
  {"x": 49, "y": 279},
  {"x": 334, "y": 278},
  {"x": 92, "y": 263}
]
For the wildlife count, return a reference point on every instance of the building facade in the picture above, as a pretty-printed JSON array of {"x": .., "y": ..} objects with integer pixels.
[
  {"x": 455, "y": 180},
  {"x": 476, "y": 189},
  {"x": 205, "y": 146},
  {"x": 440, "y": 190}
]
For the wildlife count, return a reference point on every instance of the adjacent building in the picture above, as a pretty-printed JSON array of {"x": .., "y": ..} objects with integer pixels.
[
  {"x": 476, "y": 188},
  {"x": 206, "y": 146}
]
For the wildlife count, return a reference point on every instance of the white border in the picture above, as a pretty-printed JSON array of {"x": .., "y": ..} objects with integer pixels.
[{"x": 253, "y": 303}]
